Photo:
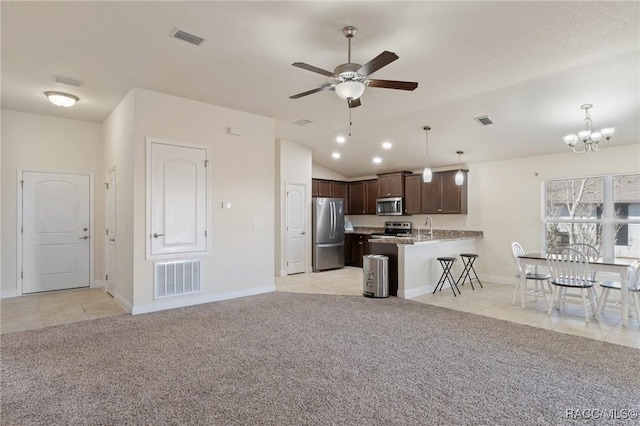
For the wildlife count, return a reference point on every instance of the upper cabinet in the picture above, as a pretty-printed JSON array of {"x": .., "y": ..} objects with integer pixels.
[
  {"x": 328, "y": 188},
  {"x": 362, "y": 197},
  {"x": 443, "y": 196},
  {"x": 391, "y": 184},
  {"x": 412, "y": 194}
]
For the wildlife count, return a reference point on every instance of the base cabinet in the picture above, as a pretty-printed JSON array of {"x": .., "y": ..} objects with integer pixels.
[{"x": 355, "y": 246}]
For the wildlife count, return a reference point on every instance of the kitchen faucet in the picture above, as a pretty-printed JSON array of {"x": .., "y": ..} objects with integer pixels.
[{"x": 429, "y": 220}]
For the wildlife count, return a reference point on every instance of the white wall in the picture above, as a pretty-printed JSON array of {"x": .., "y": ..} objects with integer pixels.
[
  {"x": 293, "y": 165},
  {"x": 505, "y": 199},
  {"x": 118, "y": 152},
  {"x": 241, "y": 171},
  {"x": 320, "y": 172},
  {"x": 48, "y": 143}
]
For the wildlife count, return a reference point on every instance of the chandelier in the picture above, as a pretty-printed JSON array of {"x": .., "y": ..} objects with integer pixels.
[{"x": 590, "y": 138}]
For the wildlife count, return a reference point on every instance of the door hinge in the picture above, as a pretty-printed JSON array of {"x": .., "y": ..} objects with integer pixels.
[
  {"x": 21, "y": 275},
  {"x": 205, "y": 233},
  {"x": 106, "y": 277},
  {"x": 22, "y": 229},
  {"x": 106, "y": 231},
  {"x": 106, "y": 184},
  {"x": 206, "y": 162},
  {"x": 21, "y": 184}
]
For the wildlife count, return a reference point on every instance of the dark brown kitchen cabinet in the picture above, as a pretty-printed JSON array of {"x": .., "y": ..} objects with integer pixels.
[
  {"x": 356, "y": 198},
  {"x": 391, "y": 184},
  {"x": 362, "y": 197},
  {"x": 339, "y": 190},
  {"x": 321, "y": 188},
  {"x": 370, "y": 196},
  {"x": 355, "y": 246},
  {"x": 442, "y": 195},
  {"x": 412, "y": 194}
]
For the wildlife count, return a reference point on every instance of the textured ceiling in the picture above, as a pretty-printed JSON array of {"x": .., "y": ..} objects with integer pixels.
[{"x": 527, "y": 65}]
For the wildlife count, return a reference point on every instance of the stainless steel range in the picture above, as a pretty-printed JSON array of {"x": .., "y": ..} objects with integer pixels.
[{"x": 395, "y": 229}]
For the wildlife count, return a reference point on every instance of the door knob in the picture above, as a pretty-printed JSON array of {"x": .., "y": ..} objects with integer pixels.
[
  {"x": 84, "y": 238},
  {"x": 157, "y": 235},
  {"x": 302, "y": 233},
  {"x": 112, "y": 239}
]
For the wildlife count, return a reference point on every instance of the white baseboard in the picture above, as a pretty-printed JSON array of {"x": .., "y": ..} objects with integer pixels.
[
  {"x": 414, "y": 292},
  {"x": 123, "y": 303},
  {"x": 6, "y": 294},
  {"x": 180, "y": 303}
]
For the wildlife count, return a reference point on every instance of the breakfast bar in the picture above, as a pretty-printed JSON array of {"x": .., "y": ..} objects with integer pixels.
[{"x": 413, "y": 266}]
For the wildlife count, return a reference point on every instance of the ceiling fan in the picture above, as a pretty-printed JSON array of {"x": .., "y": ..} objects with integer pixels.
[{"x": 350, "y": 79}]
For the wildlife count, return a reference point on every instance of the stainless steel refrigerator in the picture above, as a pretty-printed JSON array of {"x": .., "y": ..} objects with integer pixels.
[{"x": 328, "y": 233}]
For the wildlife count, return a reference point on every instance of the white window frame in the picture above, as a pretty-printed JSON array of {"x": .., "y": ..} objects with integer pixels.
[{"x": 607, "y": 222}]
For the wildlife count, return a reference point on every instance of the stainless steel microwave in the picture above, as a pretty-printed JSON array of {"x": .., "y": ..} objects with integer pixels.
[{"x": 389, "y": 206}]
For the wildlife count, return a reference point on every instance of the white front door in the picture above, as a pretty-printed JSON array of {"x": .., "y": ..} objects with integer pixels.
[
  {"x": 55, "y": 239},
  {"x": 110, "y": 231},
  {"x": 296, "y": 222},
  {"x": 178, "y": 199}
]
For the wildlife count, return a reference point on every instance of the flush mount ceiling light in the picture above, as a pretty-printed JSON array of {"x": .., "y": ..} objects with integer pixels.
[
  {"x": 427, "y": 175},
  {"x": 335, "y": 155},
  {"x": 62, "y": 99},
  {"x": 341, "y": 139},
  {"x": 387, "y": 145},
  {"x": 590, "y": 138},
  {"x": 459, "y": 176},
  {"x": 377, "y": 160}
]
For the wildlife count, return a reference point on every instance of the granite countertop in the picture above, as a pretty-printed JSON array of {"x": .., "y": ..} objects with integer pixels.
[{"x": 438, "y": 236}]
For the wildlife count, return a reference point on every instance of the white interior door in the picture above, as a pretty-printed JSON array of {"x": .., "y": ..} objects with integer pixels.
[
  {"x": 296, "y": 222},
  {"x": 178, "y": 199},
  {"x": 110, "y": 243},
  {"x": 55, "y": 239}
]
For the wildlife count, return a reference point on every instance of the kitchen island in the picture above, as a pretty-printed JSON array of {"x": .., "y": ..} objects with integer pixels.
[{"x": 413, "y": 266}]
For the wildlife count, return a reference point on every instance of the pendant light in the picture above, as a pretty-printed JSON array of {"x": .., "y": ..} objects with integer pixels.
[
  {"x": 427, "y": 175},
  {"x": 459, "y": 175}
]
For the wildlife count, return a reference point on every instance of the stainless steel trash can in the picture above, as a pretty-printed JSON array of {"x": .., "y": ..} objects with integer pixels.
[{"x": 375, "y": 275}]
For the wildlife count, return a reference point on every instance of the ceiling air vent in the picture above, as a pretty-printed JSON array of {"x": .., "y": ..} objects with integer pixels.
[
  {"x": 67, "y": 81},
  {"x": 302, "y": 122},
  {"x": 189, "y": 38},
  {"x": 484, "y": 120}
]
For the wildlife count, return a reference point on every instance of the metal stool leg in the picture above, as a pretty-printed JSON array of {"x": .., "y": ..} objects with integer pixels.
[
  {"x": 447, "y": 264},
  {"x": 468, "y": 260}
]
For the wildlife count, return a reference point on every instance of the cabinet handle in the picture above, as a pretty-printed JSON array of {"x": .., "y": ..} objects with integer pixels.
[
  {"x": 112, "y": 239},
  {"x": 83, "y": 238}
]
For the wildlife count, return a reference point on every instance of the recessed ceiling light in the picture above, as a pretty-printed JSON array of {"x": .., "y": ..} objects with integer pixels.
[
  {"x": 62, "y": 99},
  {"x": 336, "y": 155},
  {"x": 377, "y": 160},
  {"x": 341, "y": 139},
  {"x": 387, "y": 145}
]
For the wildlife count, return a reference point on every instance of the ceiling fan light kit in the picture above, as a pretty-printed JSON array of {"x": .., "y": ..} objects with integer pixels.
[
  {"x": 590, "y": 138},
  {"x": 350, "y": 80}
]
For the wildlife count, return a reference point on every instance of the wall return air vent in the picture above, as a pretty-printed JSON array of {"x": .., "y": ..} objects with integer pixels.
[{"x": 189, "y": 38}]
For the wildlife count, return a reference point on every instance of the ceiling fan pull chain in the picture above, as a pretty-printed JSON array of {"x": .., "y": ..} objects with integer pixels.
[{"x": 350, "y": 122}]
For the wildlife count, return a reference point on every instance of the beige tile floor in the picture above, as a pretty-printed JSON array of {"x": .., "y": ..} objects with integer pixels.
[
  {"x": 53, "y": 308},
  {"x": 494, "y": 300}
]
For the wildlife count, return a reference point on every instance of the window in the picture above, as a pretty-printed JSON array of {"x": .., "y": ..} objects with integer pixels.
[{"x": 602, "y": 211}]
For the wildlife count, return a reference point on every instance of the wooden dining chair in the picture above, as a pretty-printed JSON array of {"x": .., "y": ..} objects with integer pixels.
[
  {"x": 570, "y": 270},
  {"x": 537, "y": 278},
  {"x": 633, "y": 285}
]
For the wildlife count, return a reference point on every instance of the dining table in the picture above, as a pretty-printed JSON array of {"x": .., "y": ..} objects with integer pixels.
[{"x": 617, "y": 266}]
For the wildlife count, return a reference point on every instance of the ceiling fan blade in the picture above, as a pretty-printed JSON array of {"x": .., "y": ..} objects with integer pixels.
[
  {"x": 353, "y": 103},
  {"x": 326, "y": 86},
  {"x": 383, "y": 59},
  {"x": 391, "y": 84},
  {"x": 313, "y": 69}
]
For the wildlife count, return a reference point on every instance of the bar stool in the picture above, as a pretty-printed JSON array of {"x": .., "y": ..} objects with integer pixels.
[
  {"x": 447, "y": 264},
  {"x": 467, "y": 260}
]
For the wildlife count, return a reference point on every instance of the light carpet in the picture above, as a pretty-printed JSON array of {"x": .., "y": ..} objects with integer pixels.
[{"x": 292, "y": 359}]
